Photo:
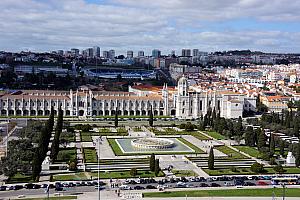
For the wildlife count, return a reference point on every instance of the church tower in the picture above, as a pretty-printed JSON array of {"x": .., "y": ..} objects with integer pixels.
[
  {"x": 182, "y": 102},
  {"x": 165, "y": 95}
]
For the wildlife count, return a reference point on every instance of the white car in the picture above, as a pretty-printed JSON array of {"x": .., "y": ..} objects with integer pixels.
[{"x": 125, "y": 187}]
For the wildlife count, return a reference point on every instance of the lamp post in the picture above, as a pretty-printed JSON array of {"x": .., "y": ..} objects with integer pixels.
[
  {"x": 283, "y": 192},
  {"x": 98, "y": 141}
]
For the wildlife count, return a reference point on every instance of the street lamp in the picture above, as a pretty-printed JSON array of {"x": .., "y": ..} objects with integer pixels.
[
  {"x": 98, "y": 154},
  {"x": 283, "y": 193}
]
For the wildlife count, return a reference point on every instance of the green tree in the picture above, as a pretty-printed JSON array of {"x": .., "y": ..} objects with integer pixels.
[
  {"x": 296, "y": 126},
  {"x": 211, "y": 159},
  {"x": 279, "y": 169},
  {"x": 157, "y": 168},
  {"x": 281, "y": 147},
  {"x": 151, "y": 118},
  {"x": 261, "y": 138},
  {"x": 133, "y": 172},
  {"x": 272, "y": 145},
  {"x": 189, "y": 126},
  {"x": 257, "y": 168},
  {"x": 249, "y": 136},
  {"x": 297, "y": 157},
  {"x": 116, "y": 118},
  {"x": 152, "y": 162},
  {"x": 56, "y": 139}
]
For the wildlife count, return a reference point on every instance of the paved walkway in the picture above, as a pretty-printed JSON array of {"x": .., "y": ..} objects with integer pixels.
[
  {"x": 79, "y": 153},
  {"x": 205, "y": 146}
]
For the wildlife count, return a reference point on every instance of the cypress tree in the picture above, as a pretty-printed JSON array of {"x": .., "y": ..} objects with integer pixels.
[
  {"x": 249, "y": 136},
  {"x": 152, "y": 162},
  {"x": 156, "y": 168},
  {"x": 116, "y": 118},
  {"x": 56, "y": 140},
  {"x": 261, "y": 138},
  {"x": 297, "y": 157},
  {"x": 42, "y": 149},
  {"x": 151, "y": 118},
  {"x": 211, "y": 159},
  {"x": 296, "y": 126},
  {"x": 272, "y": 145},
  {"x": 281, "y": 147}
]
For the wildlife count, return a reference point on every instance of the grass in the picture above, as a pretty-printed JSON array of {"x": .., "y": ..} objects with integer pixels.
[
  {"x": 90, "y": 155},
  {"x": 105, "y": 130},
  {"x": 71, "y": 177},
  {"x": 58, "y": 198},
  {"x": 249, "y": 150},
  {"x": 137, "y": 129},
  {"x": 68, "y": 137},
  {"x": 230, "y": 152},
  {"x": 200, "y": 136},
  {"x": 86, "y": 137},
  {"x": 65, "y": 155},
  {"x": 247, "y": 171},
  {"x": 126, "y": 174},
  {"x": 118, "y": 152},
  {"x": 215, "y": 135},
  {"x": 290, "y": 192},
  {"x": 184, "y": 173},
  {"x": 122, "y": 130},
  {"x": 19, "y": 178}
]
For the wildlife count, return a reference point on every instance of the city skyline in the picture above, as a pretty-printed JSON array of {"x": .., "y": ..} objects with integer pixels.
[{"x": 129, "y": 25}]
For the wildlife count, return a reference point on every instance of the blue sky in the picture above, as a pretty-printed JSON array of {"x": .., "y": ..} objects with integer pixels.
[{"x": 43, "y": 25}]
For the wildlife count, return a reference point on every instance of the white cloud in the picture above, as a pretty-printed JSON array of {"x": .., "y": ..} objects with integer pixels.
[{"x": 131, "y": 24}]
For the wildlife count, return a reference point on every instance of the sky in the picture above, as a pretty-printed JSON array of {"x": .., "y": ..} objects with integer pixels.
[{"x": 208, "y": 25}]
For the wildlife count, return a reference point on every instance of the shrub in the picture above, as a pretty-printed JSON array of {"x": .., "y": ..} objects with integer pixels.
[
  {"x": 182, "y": 126},
  {"x": 133, "y": 172},
  {"x": 72, "y": 166},
  {"x": 257, "y": 168},
  {"x": 279, "y": 169},
  {"x": 272, "y": 161},
  {"x": 233, "y": 169}
]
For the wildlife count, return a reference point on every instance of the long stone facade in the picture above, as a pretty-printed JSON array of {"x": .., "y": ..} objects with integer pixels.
[{"x": 181, "y": 102}]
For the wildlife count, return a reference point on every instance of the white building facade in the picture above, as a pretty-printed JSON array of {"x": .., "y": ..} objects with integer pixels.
[{"x": 183, "y": 102}]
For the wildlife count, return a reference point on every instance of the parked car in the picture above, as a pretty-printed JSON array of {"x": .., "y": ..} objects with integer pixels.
[
  {"x": 29, "y": 186},
  {"x": 215, "y": 185},
  {"x": 138, "y": 187},
  {"x": 3, "y": 188},
  {"x": 249, "y": 184},
  {"x": 150, "y": 187}
]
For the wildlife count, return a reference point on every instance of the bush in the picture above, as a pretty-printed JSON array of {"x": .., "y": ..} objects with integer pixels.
[
  {"x": 133, "y": 172},
  {"x": 83, "y": 127},
  {"x": 72, "y": 166},
  {"x": 257, "y": 168},
  {"x": 51, "y": 178},
  {"x": 182, "y": 126},
  {"x": 189, "y": 126},
  {"x": 279, "y": 169},
  {"x": 272, "y": 161},
  {"x": 233, "y": 169}
]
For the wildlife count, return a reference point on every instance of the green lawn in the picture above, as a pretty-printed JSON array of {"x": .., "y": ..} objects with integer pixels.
[
  {"x": 86, "y": 137},
  {"x": 290, "y": 192},
  {"x": 90, "y": 155},
  {"x": 137, "y": 129},
  {"x": 180, "y": 173},
  {"x": 126, "y": 174},
  {"x": 215, "y": 135},
  {"x": 65, "y": 155},
  {"x": 252, "y": 151},
  {"x": 200, "y": 136},
  {"x": 118, "y": 152},
  {"x": 230, "y": 152},
  {"x": 68, "y": 137},
  {"x": 19, "y": 178},
  {"x": 71, "y": 177},
  {"x": 58, "y": 198},
  {"x": 247, "y": 171}
]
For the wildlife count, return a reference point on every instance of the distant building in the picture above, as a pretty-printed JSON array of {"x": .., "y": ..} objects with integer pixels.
[
  {"x": 111, "y": 54},
  {"x": 90, "y": 52},
  {"x": 195, "y": 52},
  {"x": 75, "y": 52},
  {"x": 141, "y": 54},
  {"x": 96, "y": 51},
  {"x": 129, "y": 54},
  {"x": 186, "y": 52},
  {"x": 105, "y": 54},
  {"x": 60, "y": 52},
  {"x": 156, "y": 53},
  {"x": 173, "y": 53}
]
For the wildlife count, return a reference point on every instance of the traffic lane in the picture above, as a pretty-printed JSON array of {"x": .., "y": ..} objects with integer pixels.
[{"x": 28, "y": 192}]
